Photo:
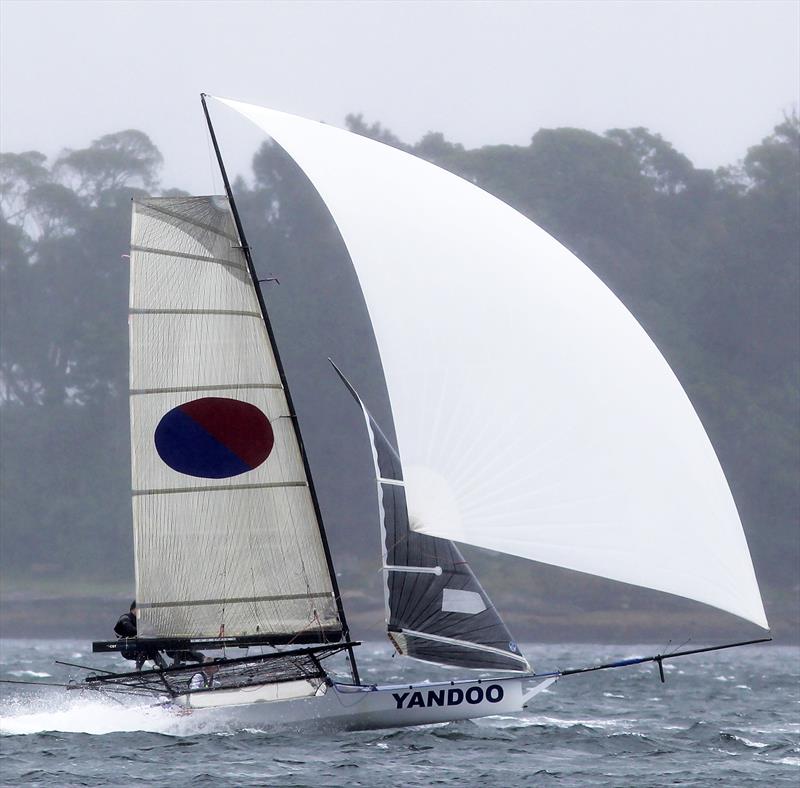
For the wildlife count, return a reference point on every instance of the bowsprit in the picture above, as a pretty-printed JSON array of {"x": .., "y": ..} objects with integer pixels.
[{"x": 454, "y": 696}]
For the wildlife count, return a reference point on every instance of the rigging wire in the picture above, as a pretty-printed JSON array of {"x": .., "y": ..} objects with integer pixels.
[{"x": 685, "y": 642}]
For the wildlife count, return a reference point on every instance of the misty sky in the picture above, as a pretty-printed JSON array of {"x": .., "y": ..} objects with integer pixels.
[{"x": 711, "y": 77}]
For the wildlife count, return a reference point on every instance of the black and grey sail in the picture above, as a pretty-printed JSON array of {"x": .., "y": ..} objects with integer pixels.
[
  {"x": 228, "y": 541},
  {"x": 436, "y": 609}
]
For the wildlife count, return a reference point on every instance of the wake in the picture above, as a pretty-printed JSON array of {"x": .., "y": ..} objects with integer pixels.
[{"x": 73, "y": 712}]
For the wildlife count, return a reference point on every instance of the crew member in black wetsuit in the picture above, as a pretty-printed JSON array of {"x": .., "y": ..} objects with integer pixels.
[
  {"x": 126, "y": 624},
  {"x": 138, "y": 653}
]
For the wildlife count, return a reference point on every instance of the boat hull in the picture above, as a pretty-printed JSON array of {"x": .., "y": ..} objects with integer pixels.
[{"x": 349, "y": 707}]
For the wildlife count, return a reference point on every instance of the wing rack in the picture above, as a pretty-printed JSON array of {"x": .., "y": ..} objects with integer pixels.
[{"x": 274, "y": 668}]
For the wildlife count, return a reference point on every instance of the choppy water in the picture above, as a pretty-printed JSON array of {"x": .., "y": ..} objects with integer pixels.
[{"x": 729, "y": 718}]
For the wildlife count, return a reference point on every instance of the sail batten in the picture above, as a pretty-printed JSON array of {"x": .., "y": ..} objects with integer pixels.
[
  {"x": 505, "y": 655},
  {"x": 506, "y": 358},
  {"x": 232, "y": 600},
  {"x": 430, "y": 570},
  {"x": 221, "y": 488},
  {"x": 232, "y": 387},
  {"x": 186, "y": 256},
  {"x": 226, "y": 534},
  {"x": 236, "y": 312}
]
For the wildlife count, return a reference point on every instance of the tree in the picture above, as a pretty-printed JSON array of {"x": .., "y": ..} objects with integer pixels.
[
  {"x": 669, "y": 171},
  {"x": 707, "y": 261},
  {"x": 124, "y": 160},
  {"x": 64, "y": 230},
  {"x": 63, "y": 360}
]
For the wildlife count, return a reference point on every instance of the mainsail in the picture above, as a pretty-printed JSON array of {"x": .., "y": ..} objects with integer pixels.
[
  {"x": 534, "y": 415},
  {"x": 436, "y": 609},
  {"x": 227, "y": 539}
]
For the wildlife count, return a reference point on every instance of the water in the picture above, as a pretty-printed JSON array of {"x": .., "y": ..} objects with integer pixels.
[{"x": 730, "y": 718}]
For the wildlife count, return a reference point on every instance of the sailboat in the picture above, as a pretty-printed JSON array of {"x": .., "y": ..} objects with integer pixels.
[{"x": 533, "y": 416}]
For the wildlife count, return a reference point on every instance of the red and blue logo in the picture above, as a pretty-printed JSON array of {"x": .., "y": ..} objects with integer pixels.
[{"x": 214, "y": 437}]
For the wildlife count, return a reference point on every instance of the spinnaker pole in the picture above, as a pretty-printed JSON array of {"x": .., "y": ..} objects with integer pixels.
[{"x": 657, "y": 658}]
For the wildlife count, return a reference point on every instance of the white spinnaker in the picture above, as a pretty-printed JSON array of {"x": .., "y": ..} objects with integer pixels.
[
  {"x": 235, "y": 556},
  {"x": 534, "y": 415}
]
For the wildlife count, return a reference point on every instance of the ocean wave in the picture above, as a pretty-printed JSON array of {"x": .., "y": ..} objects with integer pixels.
[
  {"x": 560, "y": 722},
  {"x": 702, "y": 732},
  {"x": 793, "y": 728},
  {"x": 742, "y": 740}
]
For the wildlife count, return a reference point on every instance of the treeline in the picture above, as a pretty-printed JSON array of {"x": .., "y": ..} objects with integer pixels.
[{"x": 707, "y": 261}]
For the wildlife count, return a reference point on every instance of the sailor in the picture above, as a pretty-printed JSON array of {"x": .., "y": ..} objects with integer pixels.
[
  {"x": 205, "y": 678},
  {"x": 138, "y": 653},
  {"x": 126, "y": 624}
]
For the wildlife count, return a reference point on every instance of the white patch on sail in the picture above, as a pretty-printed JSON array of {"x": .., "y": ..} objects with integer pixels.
[{"x": 457, "y": 601}]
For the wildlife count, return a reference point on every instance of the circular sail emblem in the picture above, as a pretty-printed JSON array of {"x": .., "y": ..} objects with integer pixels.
[{"x": 214, "y": 437}]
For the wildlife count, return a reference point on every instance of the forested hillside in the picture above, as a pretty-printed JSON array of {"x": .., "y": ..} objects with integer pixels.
[{"x": 708, "y": 262}]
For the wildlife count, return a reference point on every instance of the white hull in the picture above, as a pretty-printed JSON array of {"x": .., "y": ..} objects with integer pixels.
[{"x": 348, "y": 707}]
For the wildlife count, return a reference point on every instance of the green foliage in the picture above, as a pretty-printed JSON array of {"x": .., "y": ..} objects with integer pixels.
[
  {"x": 65, "y": 487},
  {"x": 112, "y": 163},
  {"x": 63, "y": 358},
  {"x": 62, "y": 278}
]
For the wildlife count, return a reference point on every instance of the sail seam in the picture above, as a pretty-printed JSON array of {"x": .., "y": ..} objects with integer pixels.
[
  {"x": 464, "y": 644},
  {"x": 235, "y": 600},
  {"x": 181, "y": 218},
  {"x": 187, "y": 256},
  {"x": 216, "y": 488},
  {"x": 240, "y": 313},
  {"x": 232, "y": 387}
]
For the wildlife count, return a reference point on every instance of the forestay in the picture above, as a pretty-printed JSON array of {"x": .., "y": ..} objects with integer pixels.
[
  {"x": 436, "y": 610},
  {"x": 227, "y": 541},
  {"x": 533, "y": 413}
]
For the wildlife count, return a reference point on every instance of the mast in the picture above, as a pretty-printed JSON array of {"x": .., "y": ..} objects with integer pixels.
[{"x": 295, "y": 423}]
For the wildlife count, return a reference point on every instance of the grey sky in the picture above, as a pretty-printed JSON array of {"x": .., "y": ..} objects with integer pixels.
[{"x": 711, "y": 77}]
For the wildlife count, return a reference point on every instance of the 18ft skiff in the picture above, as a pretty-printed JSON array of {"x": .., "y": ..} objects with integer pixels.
[{"x": 533, "y": 416}]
